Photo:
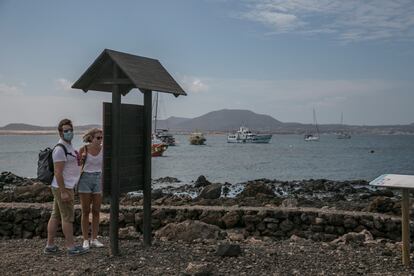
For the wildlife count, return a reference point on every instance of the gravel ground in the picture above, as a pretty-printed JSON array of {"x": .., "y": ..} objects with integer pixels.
[{"x": 301, "y": 257}]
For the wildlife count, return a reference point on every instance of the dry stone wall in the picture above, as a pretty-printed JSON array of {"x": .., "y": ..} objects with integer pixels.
[{"x": 20, "y": 220}]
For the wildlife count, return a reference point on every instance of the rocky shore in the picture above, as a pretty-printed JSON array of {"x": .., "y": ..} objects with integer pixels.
[
  {"x": 354, "y": 195},
  {"x": 261, "y": 227}
]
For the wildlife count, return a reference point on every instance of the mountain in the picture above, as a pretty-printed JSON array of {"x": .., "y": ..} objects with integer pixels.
[
  {"x": 229, "y": 120},
  {"x": 170, "y": 123},
  {"x": 24, "y": 127}
]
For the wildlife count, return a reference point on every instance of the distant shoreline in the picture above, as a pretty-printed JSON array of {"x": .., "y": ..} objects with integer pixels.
[
  {"x": 32, "y": 132},
  {"x": 54, "y": 132}
]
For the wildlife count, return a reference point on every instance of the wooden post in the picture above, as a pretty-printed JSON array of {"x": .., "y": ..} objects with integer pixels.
[
  {"x": 405, "y": 225},
  {"x": 116, "y": 127},
  {"x": 147, "y": 166}
]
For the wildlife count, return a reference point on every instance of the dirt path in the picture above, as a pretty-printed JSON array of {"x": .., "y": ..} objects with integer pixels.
[{"x": 302, "y": 257}]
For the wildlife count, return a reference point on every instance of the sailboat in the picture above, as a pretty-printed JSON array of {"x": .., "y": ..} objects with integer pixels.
[
  {"x": 342, "y": 134},
  {"x": 313, "y": 136},
  {"x": 158, "y": 147},
  {"x": 162, "y": 134}
]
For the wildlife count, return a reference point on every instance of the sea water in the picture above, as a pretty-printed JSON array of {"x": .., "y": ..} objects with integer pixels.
[{"x": 286, "y": 157}]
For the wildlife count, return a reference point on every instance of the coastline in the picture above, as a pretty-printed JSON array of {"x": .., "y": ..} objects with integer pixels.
[{"x": 32, "y": 132}]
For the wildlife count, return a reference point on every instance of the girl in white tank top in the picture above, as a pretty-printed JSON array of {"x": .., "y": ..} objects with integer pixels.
[
  {"x": 93, "y": 162},
  {"x": 90, "y": 185}
]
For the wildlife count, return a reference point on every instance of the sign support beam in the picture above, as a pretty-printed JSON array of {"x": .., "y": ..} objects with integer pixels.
[
  {"x": 116, "y": 126},
  {"x": 147, "y": 166}
]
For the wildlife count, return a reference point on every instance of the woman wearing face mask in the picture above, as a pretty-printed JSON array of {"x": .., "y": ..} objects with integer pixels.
[{"x": 90, "y": 185}]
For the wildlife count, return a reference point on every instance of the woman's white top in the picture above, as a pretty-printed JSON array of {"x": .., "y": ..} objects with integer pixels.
[{"x": 93, "y": 163}]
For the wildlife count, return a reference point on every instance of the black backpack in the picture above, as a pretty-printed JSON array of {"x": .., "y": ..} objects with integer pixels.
[{"x": 45, "y": 168}]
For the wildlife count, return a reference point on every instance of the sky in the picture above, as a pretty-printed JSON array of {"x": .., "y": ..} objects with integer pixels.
[{"x": 276, "y": 57}]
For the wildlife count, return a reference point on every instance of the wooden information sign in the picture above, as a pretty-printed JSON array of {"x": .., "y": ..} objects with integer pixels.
[
  {"x": 127, "y": 128},
  {"x": 404, "y": 182},
  {"x": 131, "y": 157}
]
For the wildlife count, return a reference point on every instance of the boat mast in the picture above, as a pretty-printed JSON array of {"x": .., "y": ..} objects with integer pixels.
[{"x": 316, "y": 123}]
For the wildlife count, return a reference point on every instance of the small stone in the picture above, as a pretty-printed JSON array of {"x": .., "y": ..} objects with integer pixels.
[
  {"x": 228, "y": 250},
  {"x": 199, "y": 269}
]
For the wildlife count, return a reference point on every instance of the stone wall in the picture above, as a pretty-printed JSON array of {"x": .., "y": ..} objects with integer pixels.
[{"x": 20, "y": 220}]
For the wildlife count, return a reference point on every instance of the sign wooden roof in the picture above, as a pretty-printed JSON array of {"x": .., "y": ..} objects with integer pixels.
[{"x": 134, "y": 72}]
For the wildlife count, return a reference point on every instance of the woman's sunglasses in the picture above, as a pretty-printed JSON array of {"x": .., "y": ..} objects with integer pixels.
[{"x": 99, "y": 138}]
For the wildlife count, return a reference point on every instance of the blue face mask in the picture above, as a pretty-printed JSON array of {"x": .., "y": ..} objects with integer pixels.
[{"x": 68, "y": 136}]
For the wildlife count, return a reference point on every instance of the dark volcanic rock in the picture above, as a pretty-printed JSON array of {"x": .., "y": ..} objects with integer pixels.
[
  {"x": 212, "y": 191},
  {"x": 156, "y": 194},
  {"x": 201, "y": 182},
  {"x": 254, "y": 188},
  {"x": 384, "y": 205},
  {"x": 228, "y": 250},
  {"x": 9, "y": 181},
  {"x": 189, "y": 231},
  {"x": 167, "y": 179}
]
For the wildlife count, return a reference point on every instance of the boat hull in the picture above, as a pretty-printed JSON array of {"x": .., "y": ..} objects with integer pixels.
[
  {"x": 312, "y": 138},
  {"x": 343, "y": 136},
  {"x": 197, "y": 142},
  {"x": 258, "y": 139},
  {"x": 158, "y": 150}
]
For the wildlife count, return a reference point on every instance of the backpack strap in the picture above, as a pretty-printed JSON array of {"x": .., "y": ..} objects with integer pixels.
[
  {"x": 84, "y": 156},
  {"x": 64, "y": 149}
]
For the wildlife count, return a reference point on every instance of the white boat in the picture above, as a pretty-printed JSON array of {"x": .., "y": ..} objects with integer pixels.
[
  {"x": 244, "y": 135},
  {"x": 343, "y": 134},
  {"x": 313, "y": 136},
  {"x": 165, "y": 137}
]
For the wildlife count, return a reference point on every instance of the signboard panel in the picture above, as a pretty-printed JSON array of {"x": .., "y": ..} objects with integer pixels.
[
  {"x": 394, "y": 181},
  {"x": 131, "y": 148}
]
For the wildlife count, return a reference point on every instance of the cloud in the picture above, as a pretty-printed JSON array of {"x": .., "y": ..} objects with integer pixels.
[
  {"x": 193, "y": 84},
  {"x": 63, "y": 84},
  {"x": 10, "y": 90},
  {"x": 282, "y": 22},
  {"x": 350, "y": 20},
  {"x": 292, "y": 100}
]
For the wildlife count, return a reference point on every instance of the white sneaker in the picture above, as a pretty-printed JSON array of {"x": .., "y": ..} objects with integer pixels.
[
  {"x": 96, "y": 243},
  {"x": 85, "y": 244}
]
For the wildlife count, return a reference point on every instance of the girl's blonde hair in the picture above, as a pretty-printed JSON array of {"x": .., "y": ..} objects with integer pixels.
[{"x": 90, "y": 134}]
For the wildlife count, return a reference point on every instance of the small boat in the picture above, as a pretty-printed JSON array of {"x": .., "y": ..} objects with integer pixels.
[
  {"x": 244, "y": 135},
  {"x": 343, "y": 134},
  {"x": 161, "y": 139},
  {"x": 165, "y": 137},
  {"x": 197, "y": 138},
  {"x": 157, "y": 147},
  {"x": 313, "y": 136}
]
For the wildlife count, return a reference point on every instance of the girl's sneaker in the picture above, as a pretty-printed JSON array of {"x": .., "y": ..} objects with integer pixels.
[
  {"x": 96, "y": 243},
  {"x": 85, "y": 244}
]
